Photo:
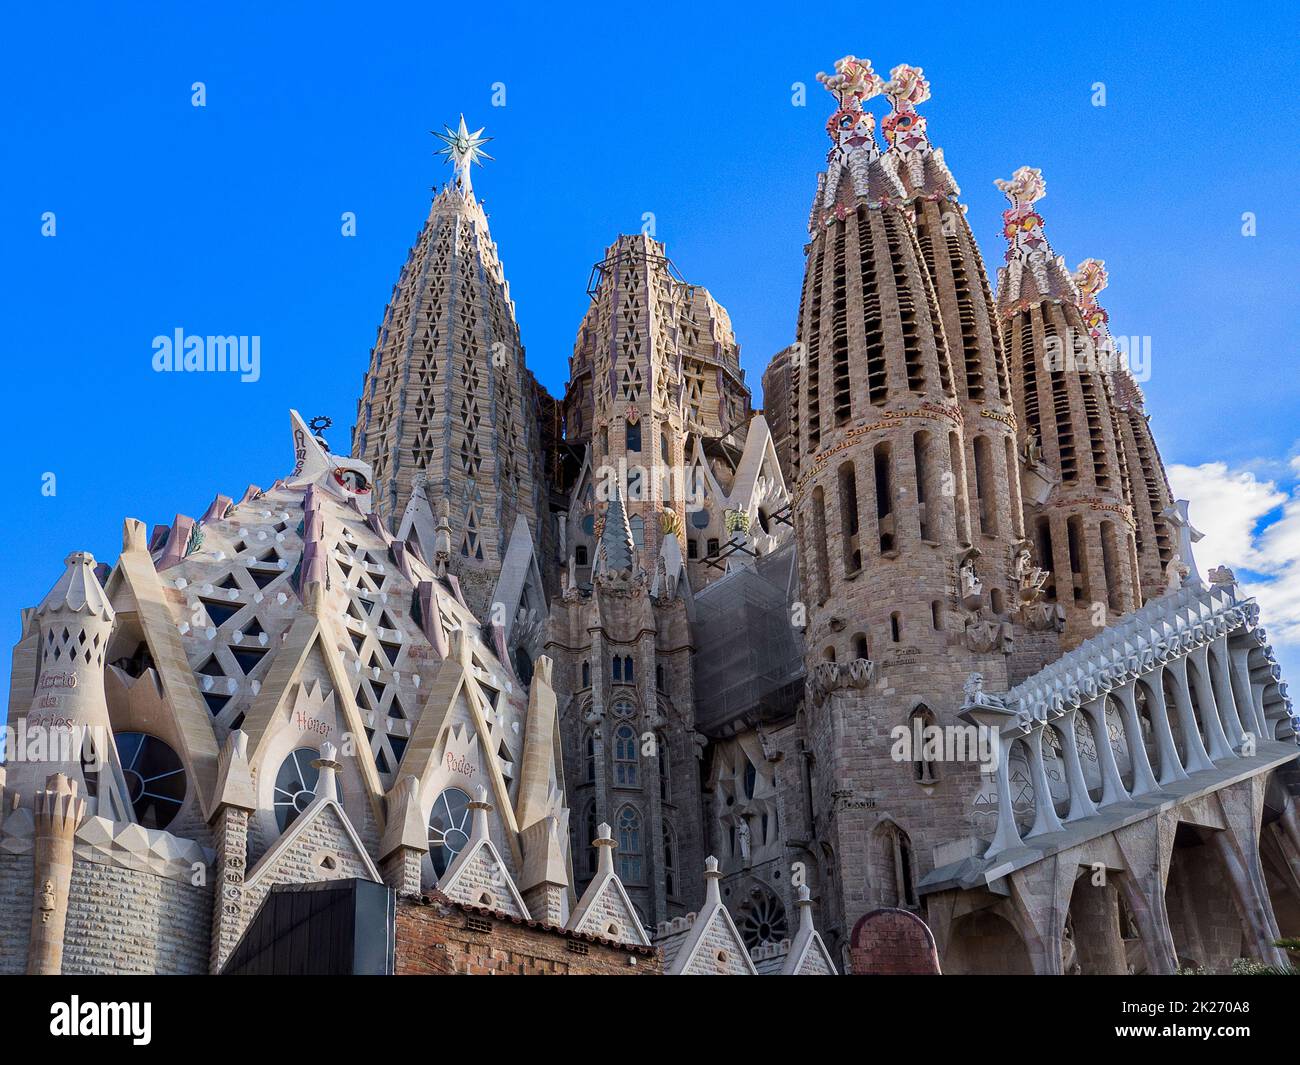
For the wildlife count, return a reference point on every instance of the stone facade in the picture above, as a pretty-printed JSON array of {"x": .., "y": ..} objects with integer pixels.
[{"x": 929, "y": 638}]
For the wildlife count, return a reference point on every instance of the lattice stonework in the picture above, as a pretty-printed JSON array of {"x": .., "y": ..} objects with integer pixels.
[{"x": 447, "y": 402}]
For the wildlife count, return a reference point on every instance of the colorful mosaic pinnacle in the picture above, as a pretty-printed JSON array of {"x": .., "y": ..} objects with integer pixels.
[
  {"x": 1090, "y": 277},
  {"x": 852, "y": 84},
  {"x": 586, "y": 681},
  {"x": 1021, "y": 224},
  {"x": 903, "y": 127}
]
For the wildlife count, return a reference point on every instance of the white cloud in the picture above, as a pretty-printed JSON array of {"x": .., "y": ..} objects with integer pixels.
[{"x": 1252, "y": 526}]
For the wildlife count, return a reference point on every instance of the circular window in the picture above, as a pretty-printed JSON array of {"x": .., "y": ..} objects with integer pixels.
[
  {"x": 448, "y": 828},
  {"x": 762, "y": 920},
  {"x": 701, "y": 518},
  {"x": 155, "y": 778},
  {"x": 588, "y": 524},
  {"x": 295, "y": 785}
]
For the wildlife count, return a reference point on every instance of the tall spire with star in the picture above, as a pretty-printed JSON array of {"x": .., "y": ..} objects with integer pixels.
[{"x": 448, "y": 409}]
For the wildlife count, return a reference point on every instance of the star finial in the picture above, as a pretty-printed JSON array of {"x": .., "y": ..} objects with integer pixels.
[{"x": 464, "y": 149}]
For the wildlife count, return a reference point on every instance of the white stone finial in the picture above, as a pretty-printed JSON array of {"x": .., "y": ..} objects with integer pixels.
[
  {"x": 805, "y": 905},
  {"x": 78, "y": 591},
  {"x": 328, "y": 766},
  {"x": 479, "y": 821},
  {"x": 604, "y": 844},
  {"x": 711, "y": 877}
]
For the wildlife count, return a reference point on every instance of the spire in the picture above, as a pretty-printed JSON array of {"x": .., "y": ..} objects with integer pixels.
[
  {"x": 903, "y": 128},
  {"x": 604, "y": 844},
  {"x": 1022, "y": 225},
  {"x": 1033, "y": 272},
  {"x": 617, "y": 552},
  {"x": 855, "y": 168},
  {"x": 1090, "y": 277},
  {"x": 923, "y": 170},
  {"x": 851, "y": 128},
  {"x": 805, "y": 905},
  {"x": 448, "y": 410},
  {"x": 464, "y": 149},
  {"x": 78, "y": 591}
]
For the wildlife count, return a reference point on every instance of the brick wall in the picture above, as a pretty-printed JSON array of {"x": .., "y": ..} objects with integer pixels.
[{"x": 433, "y": 939}]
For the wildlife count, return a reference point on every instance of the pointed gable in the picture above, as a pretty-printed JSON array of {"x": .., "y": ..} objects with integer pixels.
[
  {"x": 707, "y": 943},
  {"x": 808, "y": 955},
  {"x": 605, "y": 909},
  {"x": 321, "y": 844},
  {"x": 478, "y": 876}
]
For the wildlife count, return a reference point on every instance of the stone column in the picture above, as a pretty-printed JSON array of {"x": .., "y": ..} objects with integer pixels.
[
  {"x": 234, "y": 804},
  {"x": 1152, "y": 918},
  {"x": 1211, "y": 715},
  {"x": 1245, "y": 694},
  {"x": 1112, "y": 787},
  {"x": 1007, "y": 834},
  {"x": 1144, "y": 781},
  {"x": 1256, "y": 911},
  {"x": 401, "y": 870},
  {"x": 1045, "y": 819},
  {"x": 1171, "y": 766},
  {"x": 1081, "y": 804},
  {"x": 1216, "y": 664},
  {"x": 230, "y": 840},
  {"x": 57, "y": 811},
  {"x": 1197, "y": 758}
]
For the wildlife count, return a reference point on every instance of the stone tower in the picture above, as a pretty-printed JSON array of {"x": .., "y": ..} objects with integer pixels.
[
  {"x": 898, "y": 612},
  {"x": 448, "y": 409},
  {"x": 1155, "y": 532},
  {"x": 990, "y": 517},
  {"x": 655, "y": 367},
  {"x": 1080, "y": 513}
]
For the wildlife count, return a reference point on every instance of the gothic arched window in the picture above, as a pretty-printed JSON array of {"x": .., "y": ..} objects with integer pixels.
[
  {"x": 661, "y": 749},
  {"x": 925, "y": 770},
  {"x": 587, "y": 847},
  {"x": 628, "y": 675},
  {"x": 634, "y": 436},
  {"x": 586, "y": 674},
  {"x": 625, "y": 757},
  {"x": 637, "y": 525},
  {"x": 629, "y": 845},
  {"x": 589, "y": 758},
  {"x": 670, "y": 861}
]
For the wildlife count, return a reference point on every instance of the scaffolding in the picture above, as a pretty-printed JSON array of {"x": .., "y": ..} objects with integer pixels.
[{"x": 749, "y": 655}]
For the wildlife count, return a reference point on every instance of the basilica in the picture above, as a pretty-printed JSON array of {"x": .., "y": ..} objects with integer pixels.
[{"x": 642, "y": 680}]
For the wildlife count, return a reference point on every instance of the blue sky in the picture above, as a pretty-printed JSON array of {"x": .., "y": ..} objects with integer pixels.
[{"x": 225, "y": 219}]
